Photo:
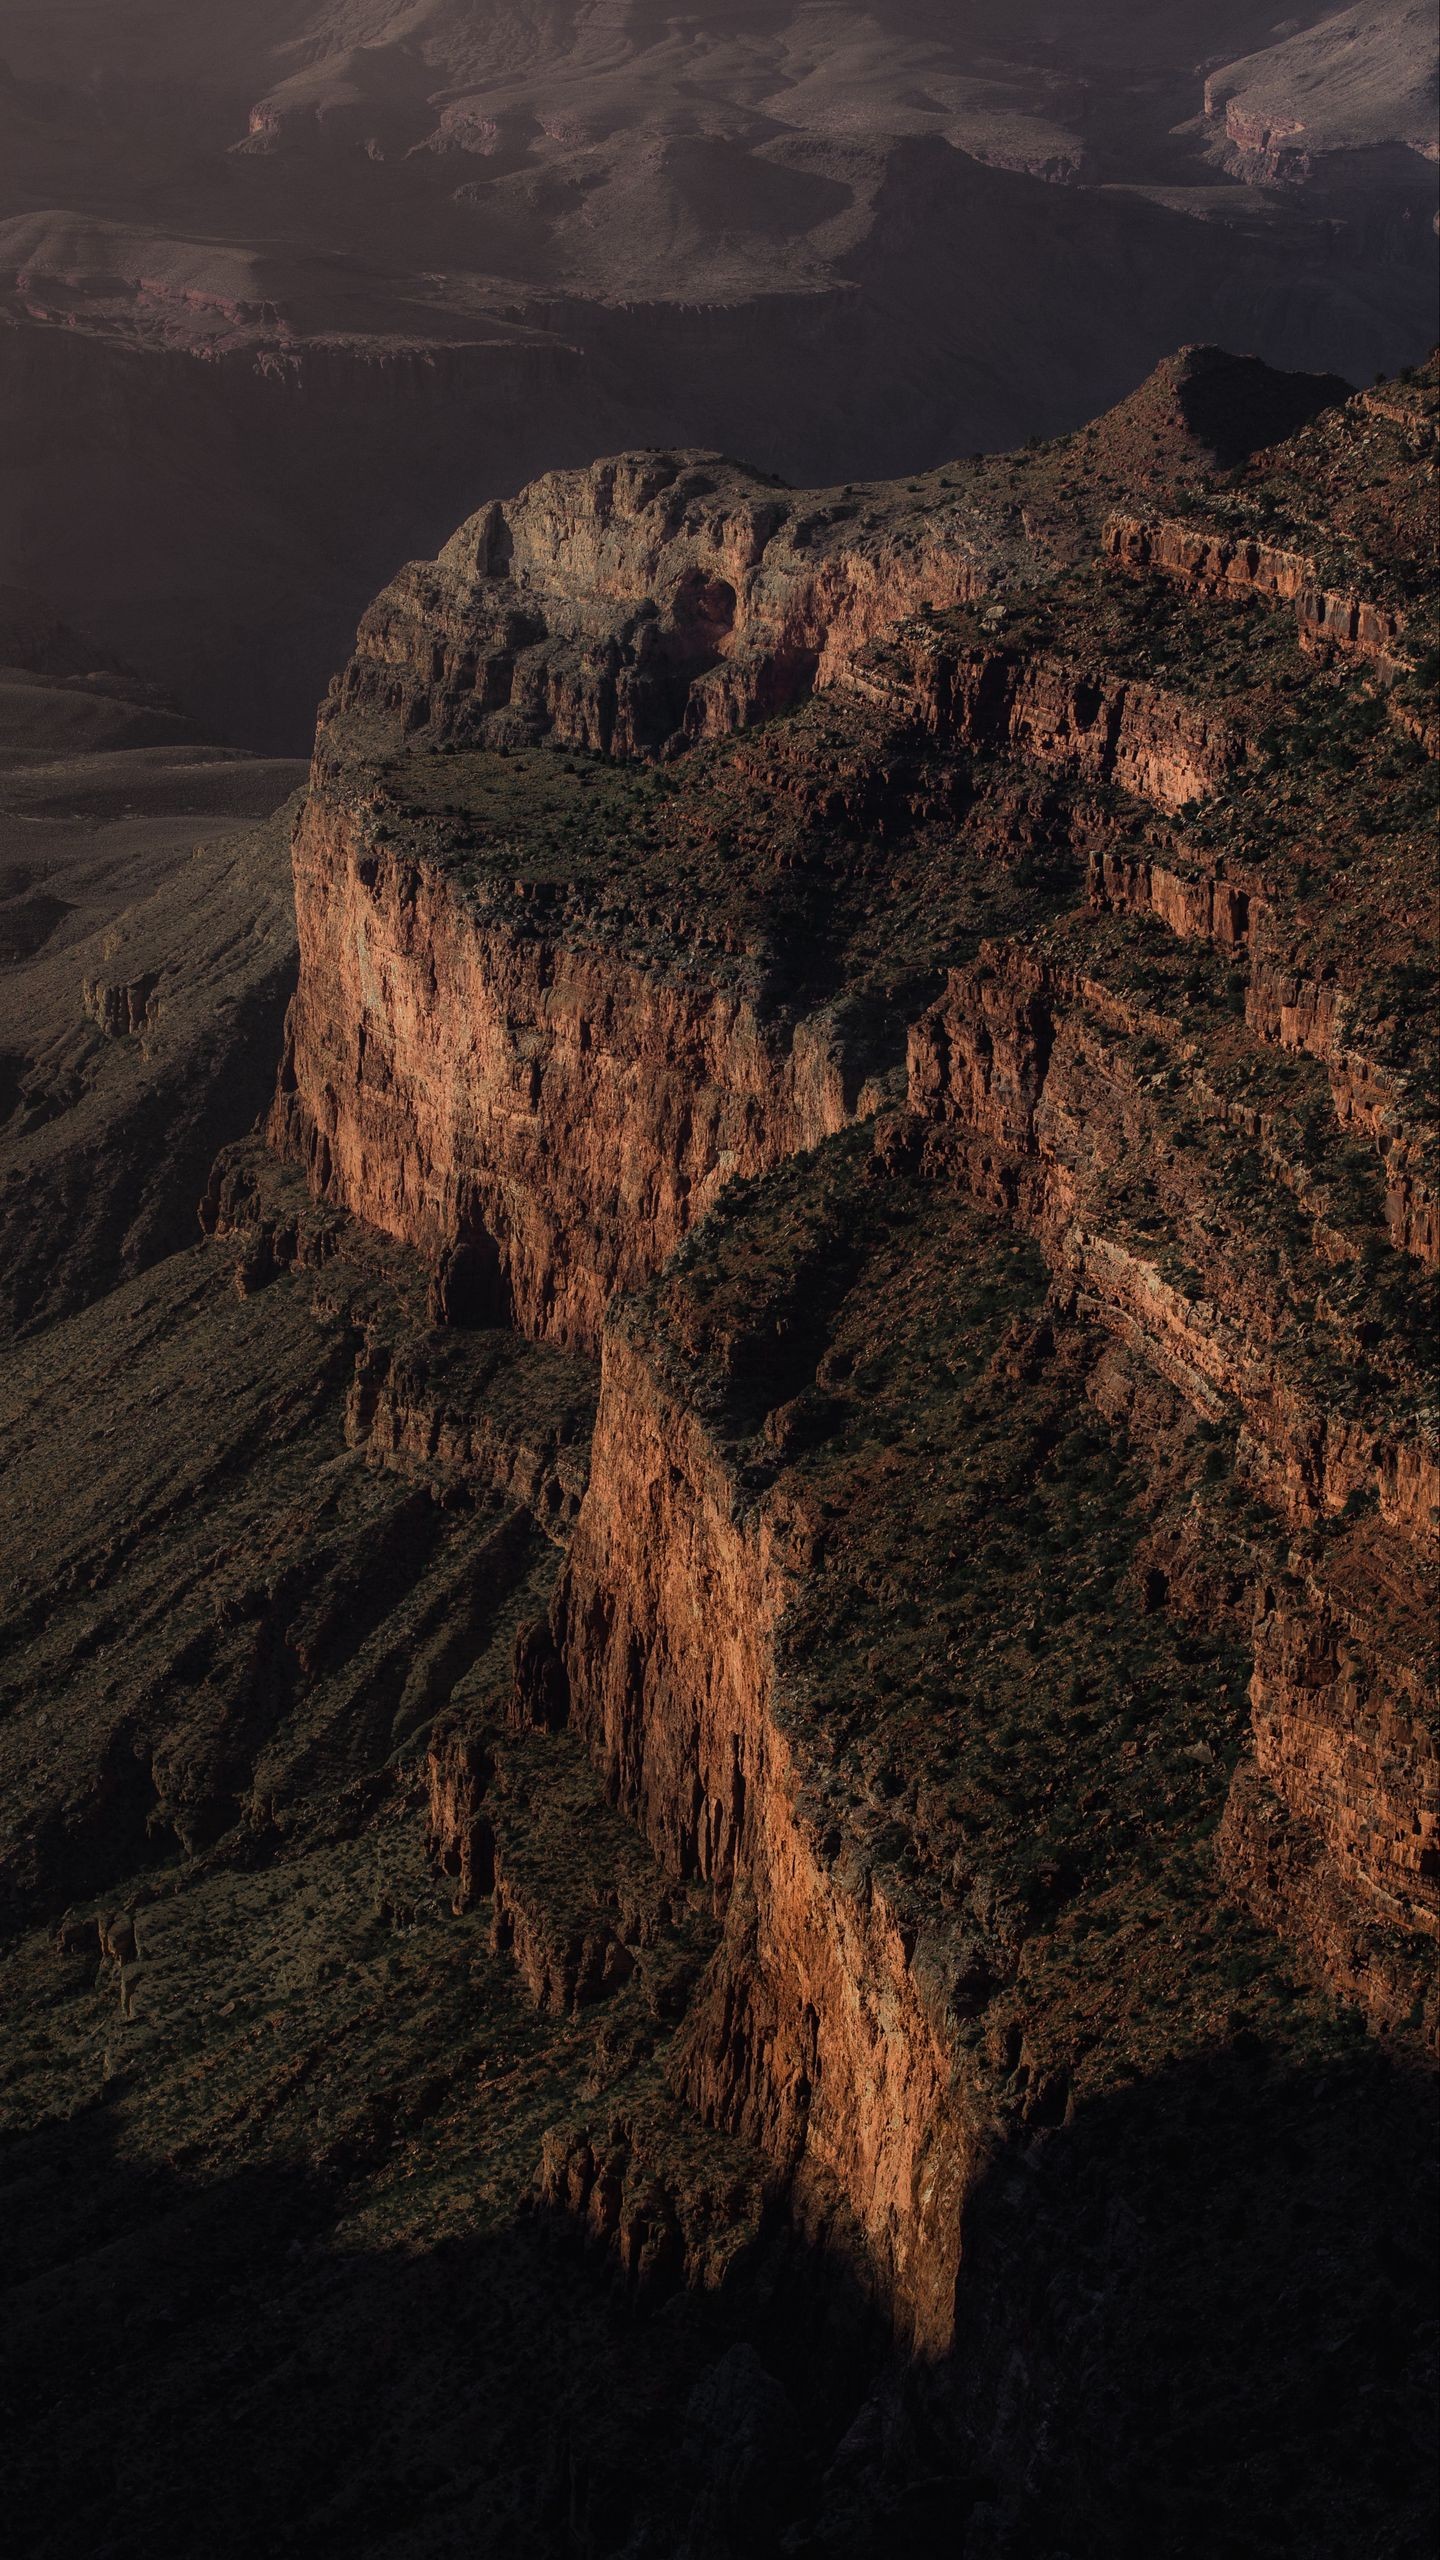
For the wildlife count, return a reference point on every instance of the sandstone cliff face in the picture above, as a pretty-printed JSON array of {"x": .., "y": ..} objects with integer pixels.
[
  {"x": 1199, "y": 906},
  {"x": 1139, "y": 737},
  {"x": 1225, "y": 903},
  {"x": 1340, "y": 1729},
  {"x": 1385, "y": 1099},
  {"x": 814, "y": 2037},
  {"x": 880, "y": 2007},
  {"x": 1330, "y": 1829},
  {"x": 656, "y": 598},
  {"x": 1022, "y": 1064},
  {"x": 907, "y": 1800},
  {"x": 1214, "y": 563},
  {"x": 549, "y": 1115},
  {"x": 541, "y": 1030},
  {"x": 1043, "y": 1070},
  {"x": 823, "y": 2030}
]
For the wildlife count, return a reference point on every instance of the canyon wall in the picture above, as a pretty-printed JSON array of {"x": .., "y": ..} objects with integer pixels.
[
  {"x": 545, "y": 1119},
  {"x": 526, "y": 1047},
  {"x": 1213, "y": 562},
  {"x": 1034, "y": 1071},
  {"x": 1222, "y": 901},
  {"x": 817, "y": 2034},
  {"x": 1143, "y": 738},
  {"x": 1031, "y": 1073},
  {"x": 653, "y": 599}
]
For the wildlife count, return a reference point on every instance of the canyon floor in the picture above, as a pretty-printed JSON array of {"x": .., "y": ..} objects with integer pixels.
[{"x": 717, "y": 1709}]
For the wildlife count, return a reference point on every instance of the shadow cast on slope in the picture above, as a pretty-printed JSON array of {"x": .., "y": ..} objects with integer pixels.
[
  {"x": 1194, "y": 2320},
  {"x": 1199, "y": 2318}
]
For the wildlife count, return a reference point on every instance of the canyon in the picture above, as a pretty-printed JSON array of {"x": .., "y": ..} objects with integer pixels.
[
  {"x": 718, "y": 1725},
  {"x": 286, "y": 291}
]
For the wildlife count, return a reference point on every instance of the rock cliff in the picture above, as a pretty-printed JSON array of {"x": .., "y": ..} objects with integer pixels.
[
  {"x": 546, "y": 1115},
  {"x": 656, "y": 598},
  {"x": 545, "y": 1079}
]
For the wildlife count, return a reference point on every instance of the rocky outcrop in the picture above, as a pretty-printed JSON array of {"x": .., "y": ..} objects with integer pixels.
[
  {"x": 653, "y": 599},
  {"x": 415, "y": 1408},
  {"x": 594, "y": 1931},
  {"x": 1225, "y": 903},
  {"x": 1319, "y": 101},
  {"x": 1330, "y": 1832},
  {"x": 892, "y": 1887},
  {"x": 443, "y": 1404},
  {"x": 1143, "y": 738},
  {"x": 1285, "y": 1871},
  {"x": 1031, "y": 1066},
  {"x": 546, "y": 1113},
  {"x": 819, "y": 2034},
  {"x": 1197, "y": 905},
  {"x": 1373, "y": 1093},
  {"x": 1029, "y": 1071},
  {"x": 1211, "y": 561},
  {"x": 1267, "y": 150},
  {"x": 458, "y": 1837},
  {"x": 121, "y": 1009},
  {"x": 1344, "y": 1730},
  {"x": 542, "y": 1024}
]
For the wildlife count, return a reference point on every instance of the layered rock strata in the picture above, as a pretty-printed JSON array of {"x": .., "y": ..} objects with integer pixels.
[
  {"x": 657, "y": 598},
  {"x": 904, "y": 1797},
  {"x": 773, "y": 1686},
  {"x": 1083, "y": 722},
  {"x": 814, "y": 2036},
  {"x": 1059, "y": 874},
  {"x": 1211, "y": 563},
  {"x": 553, "y": 1117}
]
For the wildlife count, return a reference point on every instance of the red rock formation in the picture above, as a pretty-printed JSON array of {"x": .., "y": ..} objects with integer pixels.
[
  {"x": 662, "y": 2230},
  {"x": 1201, "y": 906},
  {"x": 819, "y": 2036},
  {"x": 652, "y": 598},
  {"x": 1209, "y": 561},
  {"x": 1284, "y": 1871},
  {"x": 1224, "y": 903},
  {"x": 1141, "y": 737},
  {"x": 407, "y": 1412},
  {"x": 1326, "y": 1020},
  {"x": 846, "y": 1832},
  {"x": 1340, "y": 1696},
  {"x": 1028, "y": 1063},
  {"x": 547, "y": 1104},
  {"x": 458, "y": 1836},
  {"x": 492, "y": 1060},
  {"x": 122, "y": 1010},
  {"x": 1011, "y": 1061}
]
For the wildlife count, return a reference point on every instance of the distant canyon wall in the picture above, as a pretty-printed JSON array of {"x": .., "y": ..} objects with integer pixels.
[{"x": 219, "y": 522}]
